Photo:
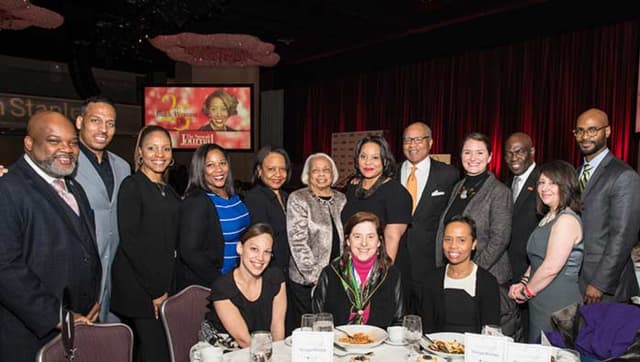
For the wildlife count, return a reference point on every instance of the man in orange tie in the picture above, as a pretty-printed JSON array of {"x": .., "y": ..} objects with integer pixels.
[{"x": 429, "y": 182}]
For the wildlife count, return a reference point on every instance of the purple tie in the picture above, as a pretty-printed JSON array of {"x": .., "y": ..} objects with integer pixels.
[{"x": 68, "y": 197}]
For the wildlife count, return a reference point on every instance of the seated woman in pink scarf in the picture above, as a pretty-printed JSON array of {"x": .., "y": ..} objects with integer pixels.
[{"x": 361, "y": 286}]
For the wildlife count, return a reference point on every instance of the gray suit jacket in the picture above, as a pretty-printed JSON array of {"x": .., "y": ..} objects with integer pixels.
[
  {"x": 491, "y": 209},
  {"x": 106, "y": 216},
  {"x": 611, "y": 218}
]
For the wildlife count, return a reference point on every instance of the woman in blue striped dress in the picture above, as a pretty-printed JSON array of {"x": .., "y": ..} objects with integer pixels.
[{"x": 212, "y": 218}]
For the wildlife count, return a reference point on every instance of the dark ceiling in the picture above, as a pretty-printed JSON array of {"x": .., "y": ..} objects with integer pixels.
[{"x": 113, "y": 34}]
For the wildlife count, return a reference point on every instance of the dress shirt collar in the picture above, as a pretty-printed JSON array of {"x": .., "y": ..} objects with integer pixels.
[
  {"x": 596, "y": 160},
  {"x": 48, "y": 179}
]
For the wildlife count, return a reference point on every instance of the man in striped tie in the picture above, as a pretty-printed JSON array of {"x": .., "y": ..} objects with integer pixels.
[{"x": 610, "y": 216}]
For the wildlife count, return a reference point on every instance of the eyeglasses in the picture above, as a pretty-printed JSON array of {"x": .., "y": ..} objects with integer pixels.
[
  {"x": 317, "y": 171},
  {"x": 591, "y": 131},
  {"x": 410, "y": 140}
]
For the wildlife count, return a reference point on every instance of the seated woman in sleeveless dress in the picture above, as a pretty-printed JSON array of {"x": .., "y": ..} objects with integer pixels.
[
  {"x": 252, "y": 297},
  {"x": 460, "y": 296}
]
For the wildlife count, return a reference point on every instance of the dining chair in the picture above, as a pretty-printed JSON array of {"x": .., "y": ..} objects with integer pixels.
[
  {"x": 111, "y": 342},
  {"x": 181, "y": 316}
]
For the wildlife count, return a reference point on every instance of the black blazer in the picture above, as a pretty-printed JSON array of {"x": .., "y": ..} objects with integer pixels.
[
  {"x": 421, "y": 233},
  {"x": 44, "y": 247},
  {"x": 200, "y": 250},
  {"x": 524, "y": 220},
  {"x": 143, "y": 268},
  {"x": 434, "y": 309},
  {"x": 264, "y": 207},
  {"x": 387, "y": 304}
]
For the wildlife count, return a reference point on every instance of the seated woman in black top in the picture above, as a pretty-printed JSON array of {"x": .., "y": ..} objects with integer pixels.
[
  {"x": 460, "y": 296},
  {"x": 252, "y": 297},
  {"x": 362, "y": 286}
]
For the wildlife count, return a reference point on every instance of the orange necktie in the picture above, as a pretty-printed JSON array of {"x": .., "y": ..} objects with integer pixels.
[{"x": 412, "y": 187}]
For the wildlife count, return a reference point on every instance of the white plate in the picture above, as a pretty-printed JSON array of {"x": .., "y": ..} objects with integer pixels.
[
  {"x": 392, "y": 343},
  {"x": 443, "y": 336},
  {"x": 377, "y": 334}
]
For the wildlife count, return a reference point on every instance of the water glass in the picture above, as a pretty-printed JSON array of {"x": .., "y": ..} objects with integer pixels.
[
  {"x": 306, "y": 322},
  {"x": 412, "y": 332},
  {"x": 260, "y": 349},
  {"x": 323, "y": 322}
]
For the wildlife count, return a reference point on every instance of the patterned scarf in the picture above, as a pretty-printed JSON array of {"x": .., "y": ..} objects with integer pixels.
[{"x": 359, "y": 293}]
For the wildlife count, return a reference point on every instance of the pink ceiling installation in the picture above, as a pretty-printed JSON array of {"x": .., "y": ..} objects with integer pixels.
[
  {"x": 21, "y": 14},
  {"x": 234, "y": 50}
]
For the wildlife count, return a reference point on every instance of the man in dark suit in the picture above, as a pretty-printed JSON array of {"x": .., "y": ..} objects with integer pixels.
[
  {"x": 519, "y": 157},
  {"x": 433, "y": 181},
  {"x": 47, "y": 241},
  {"x": 610, "y": 215}
]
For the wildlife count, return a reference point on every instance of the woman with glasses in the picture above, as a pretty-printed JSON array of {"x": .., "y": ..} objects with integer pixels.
[
  {"x": 314, "y": 229},
  {"x": 267, "y": 201},
  {"x": 212, "y": 218},
  {"x": 252, "y": 297}
]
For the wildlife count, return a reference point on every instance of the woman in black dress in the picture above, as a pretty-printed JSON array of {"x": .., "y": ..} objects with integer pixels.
[
  {"x": 143, "y": 268},
  {"x": 461, "y": 296},
  {"x": 253, "y": 296},
  {"x": 374, "y": 190}
]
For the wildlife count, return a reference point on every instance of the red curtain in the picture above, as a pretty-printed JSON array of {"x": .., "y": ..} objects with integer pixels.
[{"x": 538, "y": 86}]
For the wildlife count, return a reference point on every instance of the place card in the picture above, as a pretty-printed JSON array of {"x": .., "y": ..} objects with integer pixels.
[
  {"x": 311, "y": 346},
  {"x": 522, "y": 352},
  {"x": 484, "y": 348}
]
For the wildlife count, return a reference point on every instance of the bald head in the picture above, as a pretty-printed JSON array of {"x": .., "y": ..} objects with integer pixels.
[
  {"x": 51, "y": 142},
  {"x": 596, "y": 115},
  {"x": 519, "y": 153}
]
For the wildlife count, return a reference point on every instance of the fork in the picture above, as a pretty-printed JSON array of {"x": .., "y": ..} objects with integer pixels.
[
  {"x": 344, "y": 332},
  {"x": 441, "y": 349}
]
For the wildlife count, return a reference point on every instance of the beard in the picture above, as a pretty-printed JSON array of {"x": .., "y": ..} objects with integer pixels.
[
  {"x": 49, "y": 166},
  {"x": 597, "y": 146}
]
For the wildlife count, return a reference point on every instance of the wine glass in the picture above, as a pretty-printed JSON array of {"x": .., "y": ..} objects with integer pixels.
[
  {"x": 323, "y": 322},
  {"x": 260, "y": 348},
  {"x": 306, "y": 322},
  {"x": 412, "y": 332}
]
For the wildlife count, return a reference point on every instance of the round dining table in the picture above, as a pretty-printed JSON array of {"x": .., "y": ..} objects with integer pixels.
[{"x": 281, "y": 352}]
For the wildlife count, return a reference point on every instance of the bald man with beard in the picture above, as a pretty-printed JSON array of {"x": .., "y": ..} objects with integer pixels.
[
  {"x": 610, "y": 214},
  {"x": 47, "y": 241}
]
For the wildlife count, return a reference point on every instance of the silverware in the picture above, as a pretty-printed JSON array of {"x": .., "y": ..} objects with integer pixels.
[
  {"x": 431, "y": 342},
  {"x": 343, "y": 332},
  {"x": 345, "y": 352}
]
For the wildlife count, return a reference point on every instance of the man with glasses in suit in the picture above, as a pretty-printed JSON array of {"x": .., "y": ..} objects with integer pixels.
[{"x": 611, "y": 213}]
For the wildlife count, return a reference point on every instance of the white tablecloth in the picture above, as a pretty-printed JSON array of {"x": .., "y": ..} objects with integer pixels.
[{"x": 282, "y": 353}]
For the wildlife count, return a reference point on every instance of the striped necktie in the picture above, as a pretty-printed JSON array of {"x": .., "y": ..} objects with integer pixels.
[{"x": 584, "y": 178}]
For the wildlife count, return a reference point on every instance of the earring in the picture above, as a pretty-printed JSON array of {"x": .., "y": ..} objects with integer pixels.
[{"x": 173, "y": 162}]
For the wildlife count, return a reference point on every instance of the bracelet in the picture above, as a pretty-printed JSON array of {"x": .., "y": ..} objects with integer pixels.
[
  {"x": 524, "y": 280},
  {"x": 528, "y": 292}
]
